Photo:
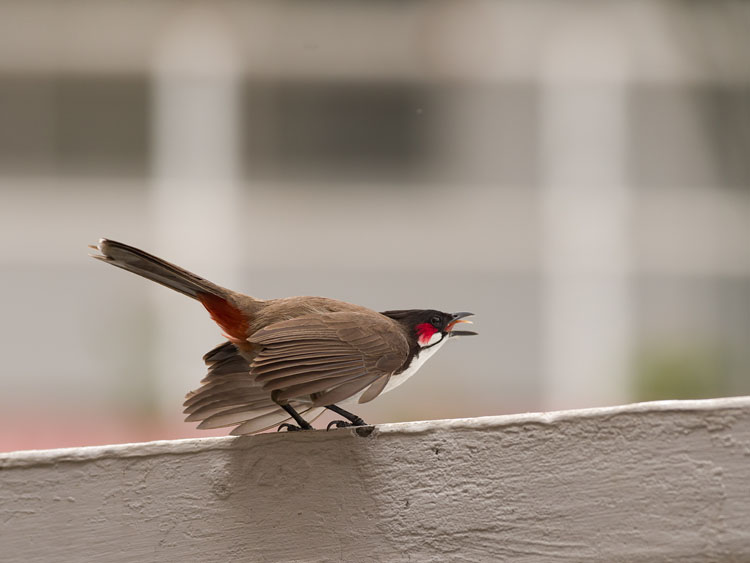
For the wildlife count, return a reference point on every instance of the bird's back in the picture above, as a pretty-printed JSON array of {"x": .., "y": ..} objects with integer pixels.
[{"x": 287, "y": 308}]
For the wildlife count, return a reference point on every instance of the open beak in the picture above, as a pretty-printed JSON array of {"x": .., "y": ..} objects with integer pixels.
[{"x": 460, "y": 318}]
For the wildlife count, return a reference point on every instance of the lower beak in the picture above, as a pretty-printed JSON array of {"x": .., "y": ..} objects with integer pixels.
[
  {"x": 460, "y": 318},
  {"x": 462, "y": 333}
]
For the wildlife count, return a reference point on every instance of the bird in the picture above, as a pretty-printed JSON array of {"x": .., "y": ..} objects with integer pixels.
[{"x": 285, "y": 361}]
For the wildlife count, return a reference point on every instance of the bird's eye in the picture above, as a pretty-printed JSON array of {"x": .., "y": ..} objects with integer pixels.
[{"x": 436, "y": 320}]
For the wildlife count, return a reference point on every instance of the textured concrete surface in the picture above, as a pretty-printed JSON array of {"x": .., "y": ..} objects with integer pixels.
[{"x": 663, "y": 481}]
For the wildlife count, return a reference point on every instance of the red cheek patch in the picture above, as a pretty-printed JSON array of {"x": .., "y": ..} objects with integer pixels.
[{"x": 425, "y": 332}]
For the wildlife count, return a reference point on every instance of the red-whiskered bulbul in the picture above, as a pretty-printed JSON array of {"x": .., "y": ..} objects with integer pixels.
[{"x": 295, "y": 356}]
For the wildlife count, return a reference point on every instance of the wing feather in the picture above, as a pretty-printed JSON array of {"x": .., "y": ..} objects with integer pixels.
[
  {"x": 307, "y": 384},
  {"x": 264, "y": 422},
  {"x": 221, "y": 352},
  {"x": 375, "y": 389},
  {"x": 314, "y": 387},
  {"x": 329, "y": 355},
  {"x": 220, "y": 386},
  {"x": 229, "y": 366},
  {"x": 282, "y": 370},
  {"x": 237, "y": 415},
  {"x": 228, "y": 398},
  {"x": 322, "y": 357},
  {"x": 343, "y": 391}
]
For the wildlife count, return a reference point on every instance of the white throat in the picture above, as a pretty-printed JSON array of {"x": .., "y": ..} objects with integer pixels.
[{"x": 417, "y": 362}]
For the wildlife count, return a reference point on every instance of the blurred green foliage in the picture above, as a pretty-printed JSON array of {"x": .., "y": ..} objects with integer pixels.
[{"x": 681, "y": 372}]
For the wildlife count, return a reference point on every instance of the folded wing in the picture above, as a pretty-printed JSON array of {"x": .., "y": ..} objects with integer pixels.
[
  {"x": 307, "y": 362},
  {"x": 327, "y": 358}
]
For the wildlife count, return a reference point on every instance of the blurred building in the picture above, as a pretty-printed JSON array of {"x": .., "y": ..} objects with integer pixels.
[{"x": 576, "y": 173}]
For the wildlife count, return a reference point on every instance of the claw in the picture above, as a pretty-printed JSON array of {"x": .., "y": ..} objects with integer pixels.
[
  {"x": 339, "y": 424},
  {"x": 289, "y": 427}
]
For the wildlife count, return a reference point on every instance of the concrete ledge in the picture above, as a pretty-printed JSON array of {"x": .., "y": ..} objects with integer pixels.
[{"x": 644, "y": 482}]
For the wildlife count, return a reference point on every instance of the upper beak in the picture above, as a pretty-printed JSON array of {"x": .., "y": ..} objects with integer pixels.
[{"x": 459, "y": 318}]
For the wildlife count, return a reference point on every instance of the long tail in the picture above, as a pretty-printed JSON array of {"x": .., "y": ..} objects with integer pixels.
[{"x": 223, "y": 305}]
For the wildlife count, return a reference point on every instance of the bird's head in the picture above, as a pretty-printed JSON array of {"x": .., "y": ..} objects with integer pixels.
[{"x": 429, "y": 326}]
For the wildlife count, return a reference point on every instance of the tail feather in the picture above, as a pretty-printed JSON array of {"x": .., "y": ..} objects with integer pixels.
[
  {"x": 221, "y": 303},
  {"x": 155, "y": 269},
  {"x": 228, "y": 396}
]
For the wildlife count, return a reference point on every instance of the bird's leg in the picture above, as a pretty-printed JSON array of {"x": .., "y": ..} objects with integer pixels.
[
  {"x": 353, "y": 419},
  {"x": 303, "y": 424}
]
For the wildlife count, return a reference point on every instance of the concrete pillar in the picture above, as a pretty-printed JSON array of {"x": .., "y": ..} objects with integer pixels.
[
  {"x": 195, "y": 185},
  {"x": 585, "y": 215}
]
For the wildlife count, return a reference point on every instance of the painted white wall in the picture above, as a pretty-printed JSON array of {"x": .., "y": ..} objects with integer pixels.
[{"x": 644, "y": 482}]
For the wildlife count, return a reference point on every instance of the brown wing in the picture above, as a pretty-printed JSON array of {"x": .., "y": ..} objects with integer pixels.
[
  {"x": 328, "y": 357},
  {"x": 228, "y": 396}
]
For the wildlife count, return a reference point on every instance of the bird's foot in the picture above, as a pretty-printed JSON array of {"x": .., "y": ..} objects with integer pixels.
[
  {"x": 346, "y": 423},
  {"x": 291, "y": 427}
]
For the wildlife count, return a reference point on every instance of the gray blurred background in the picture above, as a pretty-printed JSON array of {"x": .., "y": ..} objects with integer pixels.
[{"x": 576, "y": 173}]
